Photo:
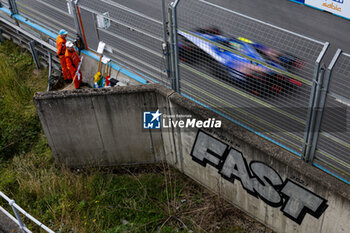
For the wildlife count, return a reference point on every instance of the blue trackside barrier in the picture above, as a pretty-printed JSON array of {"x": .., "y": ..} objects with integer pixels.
[
  {"x": 120, "y": 68},
  {"x": 298, "y": 1},
  {"x": 340, "y": 8}
]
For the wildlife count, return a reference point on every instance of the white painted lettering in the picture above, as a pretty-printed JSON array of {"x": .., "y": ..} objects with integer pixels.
[{"x": 264, "y": 182}]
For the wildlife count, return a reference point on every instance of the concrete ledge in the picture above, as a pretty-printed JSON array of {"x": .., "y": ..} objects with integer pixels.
[
  {"x": 266, "y": 181},
  {"x": 260, "y": 143},
  {"x": 96, "y": 92},
  {"x": 228, "y": 126}
]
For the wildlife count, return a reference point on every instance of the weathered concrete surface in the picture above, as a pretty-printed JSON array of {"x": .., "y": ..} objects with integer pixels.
[
  {"x": 104, "y": 127},
  {"x": 89, "y": 129}
]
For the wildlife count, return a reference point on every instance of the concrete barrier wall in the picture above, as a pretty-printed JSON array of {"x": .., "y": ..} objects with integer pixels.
[
  {"x": 105, "y": 127},
  {"x": 89, "y": 129}
]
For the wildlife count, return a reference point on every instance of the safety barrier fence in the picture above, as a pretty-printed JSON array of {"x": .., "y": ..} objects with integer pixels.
[
  {"x": 39, "y": 32},
  {"x": 330, "y": 139},
  {"x": 18, "y": 220},
  {"x": 282, "y": 117},
  {"x": 132, "y": 37},
  {"x": 268, "y": 79},
  {"x": 32, "y": 41},
  {"x": 290, "y": 117}
]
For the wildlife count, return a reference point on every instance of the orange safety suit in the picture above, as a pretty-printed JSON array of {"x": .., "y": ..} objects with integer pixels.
[
  {"x": 61, "y": 50},
  {"x": 73, "y": 60}
]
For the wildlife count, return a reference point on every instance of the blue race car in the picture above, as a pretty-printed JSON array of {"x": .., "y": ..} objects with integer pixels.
[{"x": 225, "y": 63}]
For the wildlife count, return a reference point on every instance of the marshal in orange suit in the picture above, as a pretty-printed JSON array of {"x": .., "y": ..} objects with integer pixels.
[
  {"x": 73, "y": 61},
  {"x": 61, "y": 50}
]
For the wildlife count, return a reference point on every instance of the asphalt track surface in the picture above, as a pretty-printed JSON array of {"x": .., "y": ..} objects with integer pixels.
[
  {"x": 282, "y": 117},
  {"x": 286, "y": 14},
  {"x": 297, "y": 18}
]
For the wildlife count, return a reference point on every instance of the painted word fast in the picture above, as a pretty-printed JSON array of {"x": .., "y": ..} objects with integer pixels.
[{"x": 258, "y": 179}]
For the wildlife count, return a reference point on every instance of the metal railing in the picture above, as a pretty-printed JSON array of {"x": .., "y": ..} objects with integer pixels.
[
  {"x": 245, "y": 69},
  {"x": 18, "y": 220},
  {"x": 279, "y": 89},
  {"x": 132, "y": 37},
  {"x": 330, "y": 145}
]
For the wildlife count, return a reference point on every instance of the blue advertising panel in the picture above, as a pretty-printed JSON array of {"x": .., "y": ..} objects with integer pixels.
[{"x": 337, "y": 7}]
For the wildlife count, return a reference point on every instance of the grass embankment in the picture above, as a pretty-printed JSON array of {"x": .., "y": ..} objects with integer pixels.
[{"x": 143, "y": 199}]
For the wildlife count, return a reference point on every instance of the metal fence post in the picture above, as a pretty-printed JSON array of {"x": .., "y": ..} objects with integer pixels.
[
  {"x": 166, "y": 51},
  {"x": 75, "y": 17},
  {"x": 315, "y": 109},
  {"x": 34, "y": 53},
  {"x": 0, "y": 35},
  {"x": 50, "y": 70},
  {"x": 14, "y": 10},
  {"x": 175, "y": 50},
  {"x": 22, "y": 226},
  {"x": 171, "y": 50},
  {"x": 79, "y": 27},
  {"x": 312, "y": 99},
  {"x": 319, "y": 116},
  {"x": 13, "y": 7}
]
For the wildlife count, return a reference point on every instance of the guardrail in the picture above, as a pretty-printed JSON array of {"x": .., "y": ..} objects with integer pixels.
[
  {"x": 131, "y": 36},
  {"x": 236, "y": 90},
  {"x": 18, "y": 220},
  {"x": 330, "y": 142},
  {"x": 34, "y": 29},
  {"x": 149, "y": 45}
]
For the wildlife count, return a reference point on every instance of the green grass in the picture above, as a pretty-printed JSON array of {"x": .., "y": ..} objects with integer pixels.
[
  {"x": 142, "y": 199},
  {"x": 19, "y": 124}
]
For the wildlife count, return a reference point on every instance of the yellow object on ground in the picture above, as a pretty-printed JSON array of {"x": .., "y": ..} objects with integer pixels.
[{"x": 97, "y": 77}]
